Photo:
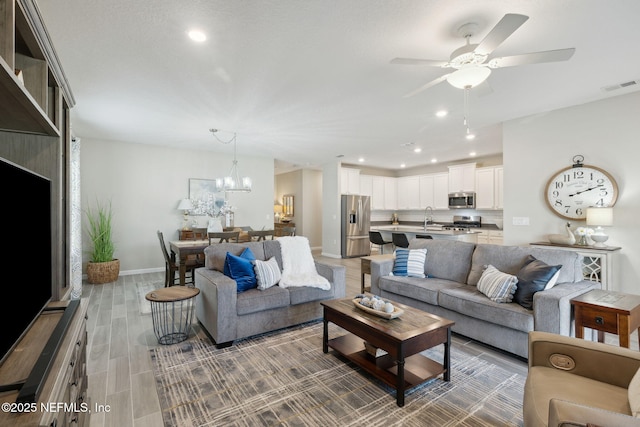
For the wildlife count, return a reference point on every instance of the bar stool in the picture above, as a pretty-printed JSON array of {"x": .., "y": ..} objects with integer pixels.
[
  {"x": 375, "y": 237},
  {"x": 400, "y": 240}
]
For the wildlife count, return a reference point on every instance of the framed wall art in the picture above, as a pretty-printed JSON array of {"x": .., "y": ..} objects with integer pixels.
[{"x": 205, "y": 197}]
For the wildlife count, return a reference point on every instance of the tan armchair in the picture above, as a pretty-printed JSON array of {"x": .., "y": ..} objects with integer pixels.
[{"x": 573, "y": 382}]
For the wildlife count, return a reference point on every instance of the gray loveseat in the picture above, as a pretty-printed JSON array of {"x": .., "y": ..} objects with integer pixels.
[
  {"x": 228, "y": 315},
  {"x": 454, "y": 268}
]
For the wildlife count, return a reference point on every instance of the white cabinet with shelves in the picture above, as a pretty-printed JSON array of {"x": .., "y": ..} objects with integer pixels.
[
  {"x": 408, "y": 190},
  {"x": 462, "y": 177},
  {"x": 427, "y": 193},
  {"x": 489, "y": 187},
  {"x": 349, "y": 181}
]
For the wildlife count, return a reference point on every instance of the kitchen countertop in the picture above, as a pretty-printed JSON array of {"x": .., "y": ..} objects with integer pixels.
[
  {"x": 420, "y": 225},
  {"x": 420, "y": 230}
]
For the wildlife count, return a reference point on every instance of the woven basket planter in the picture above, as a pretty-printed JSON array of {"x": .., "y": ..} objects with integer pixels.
[{"x": 103, "y": 272}]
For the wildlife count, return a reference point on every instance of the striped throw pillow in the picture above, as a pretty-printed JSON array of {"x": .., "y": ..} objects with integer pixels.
[
  {"x": 267, "y": 273},
  {"x": 409, "y": 262},
  {"x": 496, "y": 285}
]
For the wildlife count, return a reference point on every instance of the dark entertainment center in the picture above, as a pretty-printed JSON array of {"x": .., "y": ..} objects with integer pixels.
[{"x": 43, "y": 344}]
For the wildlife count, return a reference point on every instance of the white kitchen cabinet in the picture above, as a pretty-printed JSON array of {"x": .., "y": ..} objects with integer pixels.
[
  {"x": 489, "y": 188},
  {"x": 499, "y": 187},
  {"x": 390, "y": 193},
  {"x": 441, "y": 191},
  {"x": 462, "y": 177},
  {"x": 494, "y": 237},
  {"x": 366, "y": 185},
  {"x": 377, "y": 192},
  {"x": 350, "y": 181},
  {"x": 425, "y": 183},
  {"x": 408, "y": 190}
]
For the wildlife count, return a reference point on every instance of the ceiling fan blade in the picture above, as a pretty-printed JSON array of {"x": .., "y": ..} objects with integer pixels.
[
  {"x": 427, "y": 86},
  {"x": 503, "y": 29},
  {"x": 532, "y": 58},
  {"x": 413, "y": 61}
]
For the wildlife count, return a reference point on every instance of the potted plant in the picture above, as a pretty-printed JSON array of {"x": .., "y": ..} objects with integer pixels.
[{"x": 102, "y": 268}]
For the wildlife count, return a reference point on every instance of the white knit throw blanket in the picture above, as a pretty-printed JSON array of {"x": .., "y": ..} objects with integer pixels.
[{"x": 298, "y": 266}]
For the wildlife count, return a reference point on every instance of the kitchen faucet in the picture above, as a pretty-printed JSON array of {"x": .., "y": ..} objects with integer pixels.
[{"x": 428, "y": 219}]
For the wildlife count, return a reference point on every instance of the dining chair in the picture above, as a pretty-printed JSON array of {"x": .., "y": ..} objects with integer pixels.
[
  {"x": 171, "y": 267},
  {"x": 224, "y": 236},
  {"x": 375, "y": 237},
  {"x": 287, "y": 231},
  {"x": 200, "y": 233},
  {"x": 258, "y": 235},
  {"x": 400, "y": 240}
]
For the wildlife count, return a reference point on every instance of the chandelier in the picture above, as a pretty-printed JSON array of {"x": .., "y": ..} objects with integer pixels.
[{"x": 232, "y": 182}]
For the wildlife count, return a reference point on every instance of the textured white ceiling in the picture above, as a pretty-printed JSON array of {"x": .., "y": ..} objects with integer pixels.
[{"x": 304, "y": 81}]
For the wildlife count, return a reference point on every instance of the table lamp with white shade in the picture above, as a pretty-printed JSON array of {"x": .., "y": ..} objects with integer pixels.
[
  {"x": 185, "y": 205},
  {"x": 277, "y": 209},
  {"x": 600, "y": 217}
]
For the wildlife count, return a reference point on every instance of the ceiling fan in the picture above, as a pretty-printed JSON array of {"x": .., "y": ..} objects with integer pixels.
[{"x": 471, "y": 63}]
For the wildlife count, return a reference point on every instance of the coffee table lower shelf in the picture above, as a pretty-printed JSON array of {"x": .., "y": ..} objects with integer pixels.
[{"x": 417, "y": 368}]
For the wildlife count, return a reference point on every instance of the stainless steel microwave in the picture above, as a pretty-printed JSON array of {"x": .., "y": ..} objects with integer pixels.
[{"x": 462, "y": 200}]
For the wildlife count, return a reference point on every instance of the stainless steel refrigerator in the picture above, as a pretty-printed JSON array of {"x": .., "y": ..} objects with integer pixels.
[{"x": 356, "y": 218}]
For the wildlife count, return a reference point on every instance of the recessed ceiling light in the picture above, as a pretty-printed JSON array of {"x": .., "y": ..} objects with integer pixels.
[
  {"x": 417, "y": 150},
  {"x": 441, "y": 113},
  {"x": 197, "y": 36},
  {"x": 472, "y": 154},
  {"x": 403, "y": 165},
  {"x": 434, "y": 160},
  {"x": 470, "y": 136},
  {"x": 361, "y": 159}
]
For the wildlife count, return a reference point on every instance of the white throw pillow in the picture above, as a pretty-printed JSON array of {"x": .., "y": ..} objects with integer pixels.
[
  {"x": 496, "y": 285},
  {"x": 267, "y": 273},
  {"x": 634, "y": 394}
]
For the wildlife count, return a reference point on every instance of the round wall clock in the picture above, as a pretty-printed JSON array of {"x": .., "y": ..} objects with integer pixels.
[{"x": 572, "y": 190}]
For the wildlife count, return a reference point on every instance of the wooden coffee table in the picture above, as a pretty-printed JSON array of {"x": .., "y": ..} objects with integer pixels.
[{"x": 403, "y": 338}]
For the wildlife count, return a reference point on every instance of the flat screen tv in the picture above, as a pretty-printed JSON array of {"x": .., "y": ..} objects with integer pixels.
[{"x": 26, "y": 259}]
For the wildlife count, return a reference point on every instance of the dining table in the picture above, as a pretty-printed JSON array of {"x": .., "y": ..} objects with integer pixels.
[{"x": 180, "y": 251}]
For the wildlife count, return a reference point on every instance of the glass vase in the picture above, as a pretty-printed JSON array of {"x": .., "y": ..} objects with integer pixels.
[{"x": 582, "y": 241}]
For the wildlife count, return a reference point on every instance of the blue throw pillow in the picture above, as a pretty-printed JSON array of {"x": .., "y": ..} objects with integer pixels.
[
  {"x": 241, "y": 270},
  {"x": 409, "y": 262},
  {"x": 246, "y": 254},
  {"x": 533, "y": 277}
]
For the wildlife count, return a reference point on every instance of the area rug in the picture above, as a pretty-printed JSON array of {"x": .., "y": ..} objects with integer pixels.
[
  {"x": 142, "y": 289},
  {"x": 284, "y": 379}
]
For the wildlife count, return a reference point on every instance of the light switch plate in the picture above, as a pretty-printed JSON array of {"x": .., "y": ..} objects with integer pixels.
[{"x": 520, "y": 220}]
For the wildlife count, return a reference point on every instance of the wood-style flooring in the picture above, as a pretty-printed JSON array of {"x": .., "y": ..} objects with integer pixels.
[{"x": 119, "y": 339}]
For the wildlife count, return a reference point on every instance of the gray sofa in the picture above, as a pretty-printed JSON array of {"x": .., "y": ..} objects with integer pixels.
[
  {"x": 453, "y": 270},
  {"x": 228, "y": 315}
]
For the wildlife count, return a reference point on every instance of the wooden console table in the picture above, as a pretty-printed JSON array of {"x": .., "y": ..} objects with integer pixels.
[{"x": 599, "y": 263}]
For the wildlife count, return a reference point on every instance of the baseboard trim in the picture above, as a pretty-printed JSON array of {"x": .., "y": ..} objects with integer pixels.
[{"x": 331, "y": 255}]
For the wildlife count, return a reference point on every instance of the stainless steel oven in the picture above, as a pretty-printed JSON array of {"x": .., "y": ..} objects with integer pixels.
[{"x": 465, "y": 200}]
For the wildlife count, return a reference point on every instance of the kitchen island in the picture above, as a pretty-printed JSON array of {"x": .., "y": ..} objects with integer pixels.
[{"x": 435, "y": 232}]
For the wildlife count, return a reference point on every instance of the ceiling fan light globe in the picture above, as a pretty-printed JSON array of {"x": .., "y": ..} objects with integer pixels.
[{"x": 468, "y": 77}]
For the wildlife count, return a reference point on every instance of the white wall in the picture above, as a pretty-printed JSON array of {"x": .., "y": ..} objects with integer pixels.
[
  {"x": 606, "y": 134},
  {"x": 331, "y": 210},
  {"x": 145, "y": 184}
]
